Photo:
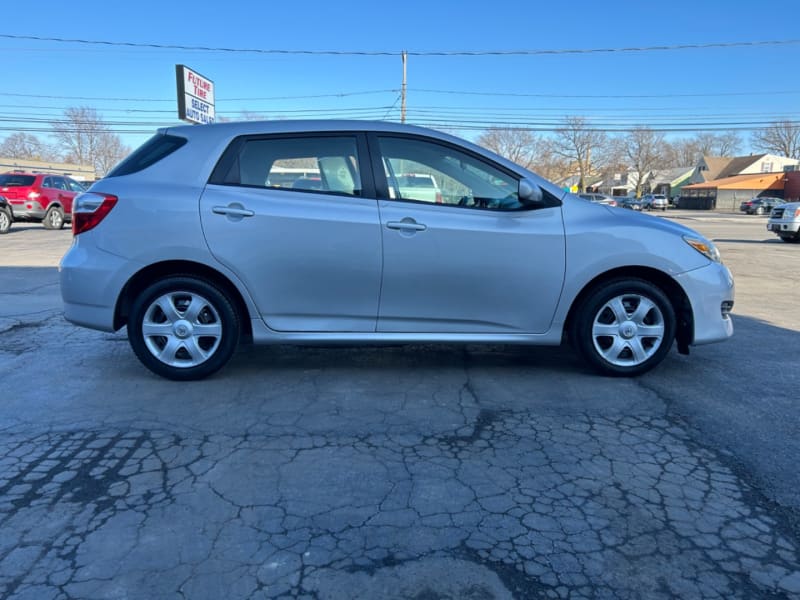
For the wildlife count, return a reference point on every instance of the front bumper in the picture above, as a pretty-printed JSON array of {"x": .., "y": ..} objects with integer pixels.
[
  {"x": 783, "y": 227},
  {"x": 708, "y": 288}
]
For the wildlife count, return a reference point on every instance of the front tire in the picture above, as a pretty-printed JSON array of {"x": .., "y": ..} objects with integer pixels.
[
  {"x": 624, "y": 327},
  {"x": 53, "y": 218},
  {"x": 183, "y": 328},
  {"x": 5, "y": 222}
]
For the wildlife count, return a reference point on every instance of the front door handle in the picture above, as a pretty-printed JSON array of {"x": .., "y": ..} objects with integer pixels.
[
  {"x": 406, "y": 224},
  {"x": 233, "y": 210}
]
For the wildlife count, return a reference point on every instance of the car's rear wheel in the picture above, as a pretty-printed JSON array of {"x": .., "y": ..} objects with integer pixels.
[
  {"x": 5, "y": 222},
  {"x": 53, "y": 218},
  {"x": 183, "y": 328},
  {"x": 624, "y": 327},
  {"x": 760, "y": 210}
]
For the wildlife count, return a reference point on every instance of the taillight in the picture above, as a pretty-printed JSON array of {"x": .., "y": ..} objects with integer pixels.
[
  {"x": 88, "y": 209},
  {"x": 33, "y": 195},
  {"x": 438, "y": 197}
]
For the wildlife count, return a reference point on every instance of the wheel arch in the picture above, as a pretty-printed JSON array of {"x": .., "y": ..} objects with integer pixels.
[
  {"x": 151, "y": 273},
  {"x": 684, "y": 332}
]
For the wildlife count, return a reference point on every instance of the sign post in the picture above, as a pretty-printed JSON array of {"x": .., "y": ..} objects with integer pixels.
[{"x": 195, "y": 96}]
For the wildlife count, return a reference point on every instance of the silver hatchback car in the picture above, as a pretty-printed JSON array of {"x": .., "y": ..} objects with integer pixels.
[{"x": 200, "y": 239}]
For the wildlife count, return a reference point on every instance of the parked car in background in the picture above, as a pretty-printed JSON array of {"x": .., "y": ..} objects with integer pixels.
[
  {"x": 654, "y": 202},
  {"x": 218, "y": 255},
  {"x": 416, "y": 186},
  {"x": 599, "y": 199},
  {"x": 40, "y": 197},
  {"x": 784, "y": 221},
  {"x": 6, "y": 215},
  {"x": 630, "y": 202},
  {"x": 760, "y": 206}
]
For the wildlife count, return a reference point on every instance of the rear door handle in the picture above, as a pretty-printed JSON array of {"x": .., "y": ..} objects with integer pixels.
[
  {"x": 406, "y": 225},
  {"x": 233, "y": 210}
]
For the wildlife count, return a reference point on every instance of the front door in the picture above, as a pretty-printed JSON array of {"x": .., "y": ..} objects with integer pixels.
[{"x": 474, "y": 260}]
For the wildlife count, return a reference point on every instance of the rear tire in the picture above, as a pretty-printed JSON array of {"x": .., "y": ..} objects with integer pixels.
[
  {"x": 183, "y": 328},
  {"x": 624, "y": 327},
  {"x": 760, "y": 210},
  {"x": 53, "y": 218}
]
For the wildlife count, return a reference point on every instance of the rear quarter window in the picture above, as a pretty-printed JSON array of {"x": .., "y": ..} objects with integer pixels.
[{"x": 153, "y": 150}]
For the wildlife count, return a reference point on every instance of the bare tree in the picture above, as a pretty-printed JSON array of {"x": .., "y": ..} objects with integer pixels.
[
  {"x": 781, "y": 138},
  {"x": 682, "y": 152},
  {"x": 88, "y": 140},
  {"x": 27, "y": 146},
  {"x": 729, "y": 143},
  {"x": 517, "y": 145},
  {"x": 576, "y": 142},
  {"x": 717, "y": 144},
  {"x": 643, "y": 148},
  {"x": 110, "y": 151}
]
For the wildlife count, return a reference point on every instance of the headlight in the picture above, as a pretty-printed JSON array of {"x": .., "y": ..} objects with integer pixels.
[{"x": 704, "y": 247}]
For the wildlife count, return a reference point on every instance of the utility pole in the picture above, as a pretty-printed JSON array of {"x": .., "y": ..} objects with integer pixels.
[{"x": 403, "y": 89}]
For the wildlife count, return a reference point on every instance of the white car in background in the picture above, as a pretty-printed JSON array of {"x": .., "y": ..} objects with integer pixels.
[
  {"x": 655, "y": 202},
  {"x": 784, "y": 221}
]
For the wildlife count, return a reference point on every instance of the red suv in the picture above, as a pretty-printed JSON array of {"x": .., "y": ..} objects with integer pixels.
[{"x": 40, "y": 197}]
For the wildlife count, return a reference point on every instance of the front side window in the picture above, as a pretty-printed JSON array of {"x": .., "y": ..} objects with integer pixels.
[
  {"x": 325, "y": 165},
  {"x": 422, "y": 171}
]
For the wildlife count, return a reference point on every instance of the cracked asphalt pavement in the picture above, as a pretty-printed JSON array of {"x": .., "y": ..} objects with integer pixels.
[{"x": 424, "y": 472}]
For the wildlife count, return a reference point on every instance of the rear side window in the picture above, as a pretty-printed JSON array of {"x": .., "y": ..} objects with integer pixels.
[
  {"x": 16, "y": 180},
  {"x": 326, "y": 165},
  {"x": 153, "y": 150}
]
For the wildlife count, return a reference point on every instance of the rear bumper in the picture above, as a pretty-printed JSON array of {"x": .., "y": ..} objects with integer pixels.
[
  {"x": 90, "y": 285},
  {"x": 708, "y": 288},
  {"x": 27, "y": 210}
]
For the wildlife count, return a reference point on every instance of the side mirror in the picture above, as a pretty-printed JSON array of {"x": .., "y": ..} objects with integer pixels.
[{"x": 529, "y": 193}]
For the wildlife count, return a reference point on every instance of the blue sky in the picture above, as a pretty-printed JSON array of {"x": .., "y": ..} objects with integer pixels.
[{"x": 134, "y": 88}]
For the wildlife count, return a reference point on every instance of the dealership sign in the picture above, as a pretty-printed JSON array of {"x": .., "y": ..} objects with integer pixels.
[{"x": 195, "y": 96}]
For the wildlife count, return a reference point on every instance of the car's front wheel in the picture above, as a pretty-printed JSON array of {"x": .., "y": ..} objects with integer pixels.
[
  {"x": 624, "y": 327},
  {"x": 183, "y": 328},
  {"x": 53, "y": 218}
]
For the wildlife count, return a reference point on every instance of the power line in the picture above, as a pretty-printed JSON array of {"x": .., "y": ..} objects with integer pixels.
[
  {"x": 116, "y": 99},
  {"x": 600, "y": 96},
  {"x": 532, "y": 52}
]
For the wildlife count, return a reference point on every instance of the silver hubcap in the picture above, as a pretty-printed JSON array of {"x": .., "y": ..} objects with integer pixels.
[
  {"x": 55, "y": 218},
  {"x": 4, "y": 221},
  {"x": 628, "y": 330},
  {"x": 182, "y": 329}
]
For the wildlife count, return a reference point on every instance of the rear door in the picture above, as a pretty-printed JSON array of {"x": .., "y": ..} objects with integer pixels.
[
  {"x": 307, "y": 247},
  {"x": 63, "y": 193}
]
